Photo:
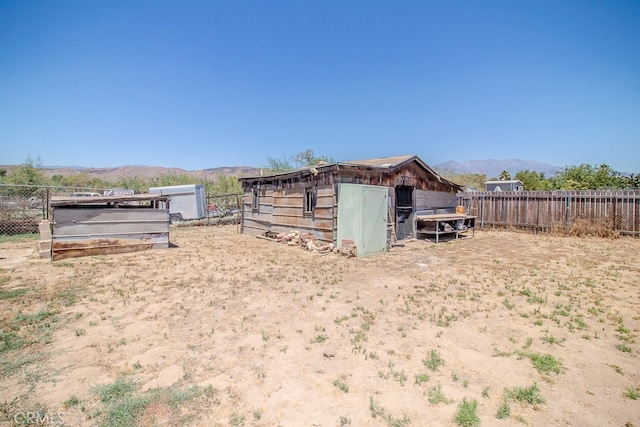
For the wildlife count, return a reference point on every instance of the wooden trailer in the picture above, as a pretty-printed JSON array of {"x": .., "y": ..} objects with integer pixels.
[{"x": 100, "y": 225}]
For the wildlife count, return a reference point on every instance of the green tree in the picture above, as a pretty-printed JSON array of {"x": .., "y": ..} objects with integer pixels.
[
  {"x": 169, "y": 179},
  {"x": 137, "y": 184},
  {"x": 505, "y": 176},
  {"x": 532, "y": 180},
  {"x": 302, "y": 159},
  {"x": 587, "y": 177},
  {"x": 632, "y": 181},
  {"x": 226, "y": 185},
  {"x": 469, "y": 180},
  {"x": 76, "y": 180},
  {"x": 605, "y": 177},
  {"x": 28, "y": 173},
  {"x": 308, "y": 158},
  {"x": 279, "y": 165}
]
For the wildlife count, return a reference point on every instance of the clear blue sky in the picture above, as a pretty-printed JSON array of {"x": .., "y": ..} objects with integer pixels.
[{"x": 201, "y": 84}]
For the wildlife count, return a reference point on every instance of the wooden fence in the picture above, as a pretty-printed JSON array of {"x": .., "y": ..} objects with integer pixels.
[{"x": 614, "y": 210}]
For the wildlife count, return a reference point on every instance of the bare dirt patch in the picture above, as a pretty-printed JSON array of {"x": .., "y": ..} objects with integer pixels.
[{"x": 226, "y": 329}]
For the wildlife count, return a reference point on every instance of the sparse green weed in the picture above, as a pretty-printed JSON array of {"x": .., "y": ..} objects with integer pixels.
[
  {"x": 544, "y": 363},
  {"x": 422, "y": 378},
  {"x": 632, "y": 393},
  {"x": 436, "y": 395},
  {"x": 504, "y": 409},
  {"x": 467, "y": 413},
  {"x": 525, "y": 395},
  {"x": 434, "y": 361},
  {"x": 341, "y": 385},
  {"x": 379, "y": 411}
]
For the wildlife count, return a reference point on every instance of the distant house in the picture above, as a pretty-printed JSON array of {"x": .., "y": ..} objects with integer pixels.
[
  {"x": 363, "y": 200},
  {"x": 506, "y": 185}
]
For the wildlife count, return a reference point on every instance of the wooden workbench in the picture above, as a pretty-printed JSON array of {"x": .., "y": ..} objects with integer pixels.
[{"x": 438, "y": 224}]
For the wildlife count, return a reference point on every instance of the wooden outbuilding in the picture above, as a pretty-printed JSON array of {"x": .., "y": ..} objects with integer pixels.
[
  {"x": 100, "y": 225},
  {"x": 371, "y": 202}
]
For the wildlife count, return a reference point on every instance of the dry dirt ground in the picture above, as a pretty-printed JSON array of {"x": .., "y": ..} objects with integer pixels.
[{"x": 227, "y": 329}]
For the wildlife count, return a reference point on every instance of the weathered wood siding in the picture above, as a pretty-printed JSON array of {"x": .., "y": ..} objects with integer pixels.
[
  {"x": 79, "y": 231},
  {"x": 282, "y": 204},
  {"x": 282, "y": 210},
  {"x": 256, "y": 222},
  {"x": 408, "y": 175},
  {"x": 548, "y": 210},
  {"x": 288, "y": 212}
]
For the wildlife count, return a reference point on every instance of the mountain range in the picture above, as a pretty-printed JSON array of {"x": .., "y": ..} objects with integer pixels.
[{"x": 491, "y": 168}]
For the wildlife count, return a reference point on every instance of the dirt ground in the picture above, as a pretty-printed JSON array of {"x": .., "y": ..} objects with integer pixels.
[{"x": 265, "y": 334}]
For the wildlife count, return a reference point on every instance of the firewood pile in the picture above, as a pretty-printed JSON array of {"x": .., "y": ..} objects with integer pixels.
[{"x": 310, "y": 242}]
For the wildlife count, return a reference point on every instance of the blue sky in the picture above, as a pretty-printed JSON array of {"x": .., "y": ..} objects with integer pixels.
[{"x": 202, "y": 84}]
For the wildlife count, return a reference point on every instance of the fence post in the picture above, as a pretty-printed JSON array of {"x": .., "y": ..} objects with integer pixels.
[
  {"x": 46, "y": 204},
  {"x": 636, "y": 216},
  {"x": 614, "y": 205},
  {"x": 567, "y": 222},
  {"x": 537, "y": 214},
  {"x": 240, "y": 226}
]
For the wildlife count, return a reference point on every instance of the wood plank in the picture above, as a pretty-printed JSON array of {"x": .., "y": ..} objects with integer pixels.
[{"x": 64, "y": 250}]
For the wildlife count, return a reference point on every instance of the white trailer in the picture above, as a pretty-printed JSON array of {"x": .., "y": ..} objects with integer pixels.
[{"x": 186, "y": 202}]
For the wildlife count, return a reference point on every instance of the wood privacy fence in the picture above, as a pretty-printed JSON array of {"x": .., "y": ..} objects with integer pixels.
[{"x": 615, "y": 210}]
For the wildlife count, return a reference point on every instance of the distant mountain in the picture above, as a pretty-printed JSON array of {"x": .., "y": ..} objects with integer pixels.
[
  {"x": 145, "y": 172},
  {"x": 492, "y": 168}
]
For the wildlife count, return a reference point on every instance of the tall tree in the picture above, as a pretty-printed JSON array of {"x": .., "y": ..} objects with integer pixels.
[
  {"x": 632, "y": 181},
  {"x": 532, "y": 180},
  {"x": 169, "y": 179},
  {"x": 469, "y": 180},
  {"x": 303, "y": 158},
  {"x": 279, "y": 165},
  {"x": 308, "y": 158},
  {"x": 137, "y": 184},
  {"x": 28, "y": 173},
  {"x": 226, "y": 185},
  {"x": 587, "y": 177}
]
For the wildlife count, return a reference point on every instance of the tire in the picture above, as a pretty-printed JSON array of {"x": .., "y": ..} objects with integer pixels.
[{"x": 175, "y": 218}]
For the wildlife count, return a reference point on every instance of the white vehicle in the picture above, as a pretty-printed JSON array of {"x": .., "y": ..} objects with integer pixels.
[
  {"x": 83, "y": 194},
  {"x": 118, "y": 192},
  {"x": 187, "y": 202}
]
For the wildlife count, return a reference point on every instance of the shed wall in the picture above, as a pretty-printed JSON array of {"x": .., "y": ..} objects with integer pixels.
[
  {"x": 281, "y": 210},
  {"x": 258, "y": 221},
  {"x": 425, "y": 200}
]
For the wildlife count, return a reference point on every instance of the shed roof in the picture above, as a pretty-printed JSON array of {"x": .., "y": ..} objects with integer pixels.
[
  {"x": 383, "y": 164},
  {"x": 78, "y": 201}
]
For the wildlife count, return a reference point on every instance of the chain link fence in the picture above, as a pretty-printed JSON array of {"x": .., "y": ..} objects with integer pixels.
[
  {"x": 225, "y": 205},
  {"x": 224, "y": 209},
  {"x": 22, "y": 207}
]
